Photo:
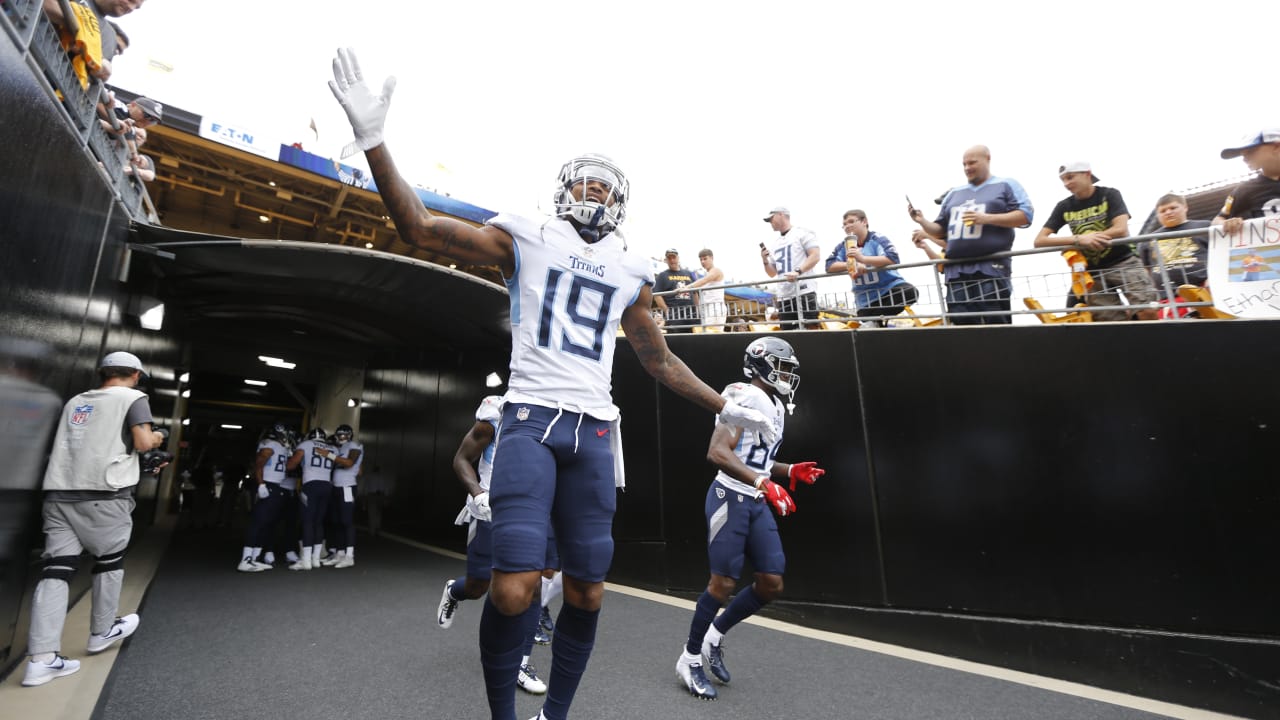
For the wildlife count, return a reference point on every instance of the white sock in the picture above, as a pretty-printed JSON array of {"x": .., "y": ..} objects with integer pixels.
[
  {"x": 306, "y": 553},
  {"x": 317, "y": 552},
  {"x": 551, "y": 588},
  {"x": 713, "y": 635},
  {"x": 44, "y": 658},
  {"x": 524, "y": 661},
  {"x": 269, "y": 558},
  {"x": 248, "y": 553},
  {"x": 351, "y": 551}
]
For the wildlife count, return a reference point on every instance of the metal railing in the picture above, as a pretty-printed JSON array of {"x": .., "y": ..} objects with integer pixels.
[
  {"x": 36, "y": 38},
  {"x": 1046, "y": 296}
]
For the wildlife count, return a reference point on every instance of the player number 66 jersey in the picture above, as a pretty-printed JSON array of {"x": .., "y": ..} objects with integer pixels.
[{"x": 751, "y": 450}]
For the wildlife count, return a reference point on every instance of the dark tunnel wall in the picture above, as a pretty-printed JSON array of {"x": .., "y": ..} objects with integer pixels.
[
  {"x": 62, "y": 244},
  {"x": 1094, "y": 502}
]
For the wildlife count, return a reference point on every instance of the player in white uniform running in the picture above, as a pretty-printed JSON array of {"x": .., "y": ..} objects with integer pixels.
[
  {"x": 739, "y": 525},
  {"x": 572, "y": 283},
  {"x": 473, "y": 464}
]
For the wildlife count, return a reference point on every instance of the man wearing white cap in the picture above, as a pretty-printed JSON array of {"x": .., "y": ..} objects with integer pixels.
[
  {"x": 88, "y": 502},
  {"x": 792, "y": 254},
  {"x": 1259, "y": 196},
  {"x": 1098, "y": 218}
]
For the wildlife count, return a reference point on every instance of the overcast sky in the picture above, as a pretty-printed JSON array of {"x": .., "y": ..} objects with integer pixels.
[{"x": 718, "y": 111}]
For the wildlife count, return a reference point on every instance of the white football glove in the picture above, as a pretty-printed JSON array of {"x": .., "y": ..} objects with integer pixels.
[
  {"x": 734, "y": 414},
  {"x": 263, "y": 492},
  {"x": 478, "y": 505},
  {"x": 366, "y": 111}
]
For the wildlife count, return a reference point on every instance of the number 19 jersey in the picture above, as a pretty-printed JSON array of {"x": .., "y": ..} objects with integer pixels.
[
  {"x": 751, "y": 450},
  {"x": 567, "y": 299}
]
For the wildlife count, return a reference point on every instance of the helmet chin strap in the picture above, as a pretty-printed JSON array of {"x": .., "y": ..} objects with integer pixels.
[{"x": 588, "y": 227}]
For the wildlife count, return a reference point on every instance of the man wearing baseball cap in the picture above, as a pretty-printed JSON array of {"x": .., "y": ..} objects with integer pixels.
[
  {"x": 1098, "y": 218},
  {"x": 678, "y": 308},
  {"x": 1258, "y": 196},
  {"x": 88, "y": 502},
  {"x": 793, "y": 254}
]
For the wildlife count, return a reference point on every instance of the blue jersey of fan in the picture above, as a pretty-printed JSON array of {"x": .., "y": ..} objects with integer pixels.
[
  {"x": 273, "y": 471},
  {"x": 490, "y": 411},
  {"x": 751, "y": 450},
  {"x": 567, "y": 299}
]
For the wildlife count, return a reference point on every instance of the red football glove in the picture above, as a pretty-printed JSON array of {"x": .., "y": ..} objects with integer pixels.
[
  {"x": 806, "y": 472},
  {"x": 775, "y": 495}
]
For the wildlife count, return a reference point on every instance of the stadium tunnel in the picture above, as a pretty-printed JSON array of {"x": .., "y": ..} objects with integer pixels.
[{"x": 336, "y": 314}]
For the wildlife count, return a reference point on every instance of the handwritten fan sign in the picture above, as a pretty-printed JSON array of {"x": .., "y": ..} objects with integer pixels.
[{"x": 1244, "y": 269}]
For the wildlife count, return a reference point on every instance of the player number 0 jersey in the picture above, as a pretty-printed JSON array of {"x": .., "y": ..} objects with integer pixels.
[{"x": 751, "y": 450}]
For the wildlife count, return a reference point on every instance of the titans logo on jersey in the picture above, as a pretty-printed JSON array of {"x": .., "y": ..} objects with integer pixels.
[
  {"x": 567, "y": 299},
  {"x": 751, "y": 450}
]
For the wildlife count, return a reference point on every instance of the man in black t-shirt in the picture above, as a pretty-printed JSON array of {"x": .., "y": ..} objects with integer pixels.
[
  {"x": 680, "y": 309},
  {"x": 1259, "y": 196},
  {"x": 1098, "y": 217}
]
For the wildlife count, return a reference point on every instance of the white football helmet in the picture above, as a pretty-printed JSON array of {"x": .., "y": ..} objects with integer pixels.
[{"x": 589, "y": 214}]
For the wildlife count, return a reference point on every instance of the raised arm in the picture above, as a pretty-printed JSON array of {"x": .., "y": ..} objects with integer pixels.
[{"x": 452, "y": 238}]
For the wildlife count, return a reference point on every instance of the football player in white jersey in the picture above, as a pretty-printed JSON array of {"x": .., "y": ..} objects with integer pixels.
[
  {"x": 315, "y": 456},
  {"x": 273, "y": 490},
  {"x": 473, "y": 464},
  {"x": 739, "y": 525},
  {"x": 572, "y": 283},
  {"x": 347, "y": 458}
]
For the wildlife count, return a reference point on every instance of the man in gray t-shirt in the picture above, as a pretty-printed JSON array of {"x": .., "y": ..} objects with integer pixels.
[{"x": 88, "y": 485}]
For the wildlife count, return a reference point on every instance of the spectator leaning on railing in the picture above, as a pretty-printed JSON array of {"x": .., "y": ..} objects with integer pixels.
[{"x": 1098, "y": 218}]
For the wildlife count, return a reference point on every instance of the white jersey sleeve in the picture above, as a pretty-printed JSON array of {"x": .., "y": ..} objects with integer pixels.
[
  {"x": 751, "y": 450},
  {"x": 567, "y": 299},
  {"x": 273, "y": 471},
  {"x": 346, "y": 476}
]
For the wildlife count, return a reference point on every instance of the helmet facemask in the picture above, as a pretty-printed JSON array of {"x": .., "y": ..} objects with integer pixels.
[
  {"x": 774, "y": 362},
  {"x": 593, "y": 218}
]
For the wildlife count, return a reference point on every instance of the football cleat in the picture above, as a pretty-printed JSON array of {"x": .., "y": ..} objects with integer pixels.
[
  {"x": 345, "y": 561},
  {"x": 714, "y": 655},
  {"x": 528, "y": 680},
  {"x": 689, "y": 668},
  {"x": 444, "y": 614},
  {"x": 545, "y": 622},
  {"x": 248, "y": 565},
  {"x": 540, "y": 637}
]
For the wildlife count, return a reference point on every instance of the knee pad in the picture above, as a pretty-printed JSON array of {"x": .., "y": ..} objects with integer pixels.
[
  {"x": 60, "y": 568},
  {"x": 107, "y": 563}
]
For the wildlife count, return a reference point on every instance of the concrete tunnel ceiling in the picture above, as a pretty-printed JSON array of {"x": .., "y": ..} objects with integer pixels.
[{"x": 336, "y": 305}]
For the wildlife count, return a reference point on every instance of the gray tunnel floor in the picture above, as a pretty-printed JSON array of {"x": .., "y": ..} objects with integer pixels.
[{"x": 362, "y": 643}]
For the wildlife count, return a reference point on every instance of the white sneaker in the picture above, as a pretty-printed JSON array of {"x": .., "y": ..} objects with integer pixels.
[
  {"x": 344, "y": 561},
  {"x": 303, "y": 564},
  {"x": 39, "y": 673},
  {"x": 333, "y": 559},
  {"x": 448, "y": 606},
  {"x": 528, "y": 680},
  {"x": 291, "y": 556},
  {"x": 263, "y": 566},
  {"x": 122, "y": 628},
  {"x": 269, "y": 558},
  {"x": 248, "y": 565}
]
